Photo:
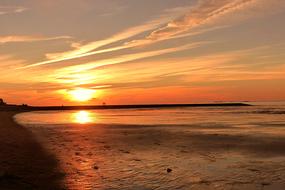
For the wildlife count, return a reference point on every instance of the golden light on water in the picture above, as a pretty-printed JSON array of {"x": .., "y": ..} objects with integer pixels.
[
  {"x": 82, "y": 117},
  {"x": 81, "y": 94}
]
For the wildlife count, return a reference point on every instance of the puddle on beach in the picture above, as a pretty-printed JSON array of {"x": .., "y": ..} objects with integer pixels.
[{"x": 201, "y": 148}]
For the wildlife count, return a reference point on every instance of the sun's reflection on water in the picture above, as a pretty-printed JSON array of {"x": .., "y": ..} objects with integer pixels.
[{"x": 82, "y": 117}]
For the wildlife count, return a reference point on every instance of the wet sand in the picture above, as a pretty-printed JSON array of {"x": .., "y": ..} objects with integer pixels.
[
  {"x": 24, "y": 164},
  {"x": 145, "y": 157},
  {"x": 211, "y": 155}
]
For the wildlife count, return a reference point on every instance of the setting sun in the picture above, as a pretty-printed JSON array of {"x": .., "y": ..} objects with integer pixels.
[{"x": 81, "y": 94}]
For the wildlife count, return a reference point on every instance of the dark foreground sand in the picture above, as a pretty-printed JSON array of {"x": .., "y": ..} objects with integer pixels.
[{"x": 24, "y": 164}]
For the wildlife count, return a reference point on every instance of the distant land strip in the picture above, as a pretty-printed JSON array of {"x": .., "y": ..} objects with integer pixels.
[{"x": 139, "y": 106}]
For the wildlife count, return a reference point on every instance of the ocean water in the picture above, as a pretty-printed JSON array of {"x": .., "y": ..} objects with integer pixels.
[
  {"x": 177, "y": 148},
  {"x": 273, "y": 113}
]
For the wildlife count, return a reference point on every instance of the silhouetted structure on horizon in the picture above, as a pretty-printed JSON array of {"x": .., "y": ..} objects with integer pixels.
[
  {"x": 2, "y": 103},
  {"x": 25, "y": 107}
]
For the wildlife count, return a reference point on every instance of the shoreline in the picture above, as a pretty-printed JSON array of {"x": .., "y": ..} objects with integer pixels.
[
  {"x": 25, "y": 164},
  {"x": 97, "y": 107}
]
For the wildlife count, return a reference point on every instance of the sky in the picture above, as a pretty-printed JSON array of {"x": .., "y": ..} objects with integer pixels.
[{"x": 69, "y": 52}]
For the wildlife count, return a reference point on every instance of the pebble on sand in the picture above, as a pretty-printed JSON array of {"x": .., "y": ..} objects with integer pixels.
[
  {"x": 265, "y": 183},
  {"x": 169, "y": 170}
]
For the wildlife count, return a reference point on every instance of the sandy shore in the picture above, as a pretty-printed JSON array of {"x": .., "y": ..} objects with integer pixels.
[
  {"x": 137, "y": 157},
  {"x": 142, "y": 157},
  {"x": 24, "y": 164}
]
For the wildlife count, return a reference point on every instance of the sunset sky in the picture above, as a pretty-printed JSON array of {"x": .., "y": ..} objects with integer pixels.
[{"x": 55, "y": 52}]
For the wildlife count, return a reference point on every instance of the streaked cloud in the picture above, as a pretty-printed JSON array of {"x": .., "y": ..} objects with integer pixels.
[
  {"x": 83, "y": 50},
  {"x": 8, "y": 61},
  {"x": 11, "y": 9},
  {"x": 122, "y": 59},
  {"x": 200, "y": 14},
  {"x": 9, "y": 39},
  {"x": 199, "y": 71},
  {"x": 204, "y": 12}
]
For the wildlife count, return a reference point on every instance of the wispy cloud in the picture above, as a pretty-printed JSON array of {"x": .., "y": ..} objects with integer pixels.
[
  {"x": 85, "y": 48},
  {"x": 82, "y": 50},
  {"x": 199, "y": 71},
  {"x": 9, "y": 39},
  {"x": 8, "y": 61},
  {"x": 204, "y": 12},
  {"x": 11, "y": 9},
  {"x": 7, "y": 67},
  {"x": 71, "y": 70}
]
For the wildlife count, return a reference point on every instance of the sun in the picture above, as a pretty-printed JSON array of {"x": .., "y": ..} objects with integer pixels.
[{"x": 81, "y": 94}]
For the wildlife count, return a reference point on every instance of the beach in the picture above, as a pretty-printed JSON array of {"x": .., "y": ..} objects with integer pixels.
[
  {"x": 24, "y": 163},
  {"x": 142, "y": 95},
  {"x": 221, "y": 152}
]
